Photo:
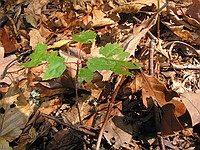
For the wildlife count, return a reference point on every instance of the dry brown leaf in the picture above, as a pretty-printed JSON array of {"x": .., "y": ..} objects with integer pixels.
[
  {"x": 16, "y": 112},
  {"x": 136, "y": 6},
  {"x": 169, "y": 122},
  {"x": 35, "y": 38},
  {"x": 35, "y": 6},
  {"x": 194, "y": 10},
  {"x": 192, "y": 37},
  {"x": 100, "y": 19},
  {"x": 64, "y": 139},
  {"x": 117, "y": 132},
  {"x": 139, "y": 31},
  {"x": 50, "y": 106},
  {"x": 172, "y": 109},
  {"x": 154, "y": 90},
  {"x": 12, "y": 69},
  {"x": 192, "y": 103},
  {"x": 71, "y": 63},
  {"x": 72, "y": 116},
  {"x": 7, "y": 41},
  {"x": 31, "y": 19},
  {"x": 44, "y": 32},
  {"x": 45, "y": 88},
  {"x": 160, "y": 49},
  {"x": 192, "y": 21}
]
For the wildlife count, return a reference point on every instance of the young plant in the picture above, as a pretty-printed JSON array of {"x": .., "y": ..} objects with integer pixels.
[
  {"x": 113, "y": 59},
  {"x": 56, "y": 65}
]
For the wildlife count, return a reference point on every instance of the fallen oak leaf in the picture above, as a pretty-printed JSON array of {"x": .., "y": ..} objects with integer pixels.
[{"x": 174, "y": 112}]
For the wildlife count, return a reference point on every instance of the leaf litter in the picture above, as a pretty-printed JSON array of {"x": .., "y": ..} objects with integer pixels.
[{"x": 147, "y": 110}]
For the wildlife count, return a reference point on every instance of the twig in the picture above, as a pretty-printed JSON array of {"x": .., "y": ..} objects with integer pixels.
[
  {"x": 158, "y": 21},
  {"x": 151, "y": 53},
  {"x": 79, "y": 129},
  {"x": 190, "y": 67},
  {"x": 151, "y": 36},
  {"x": 157, "y": 12},
  {"x": 109, "y": 111}
]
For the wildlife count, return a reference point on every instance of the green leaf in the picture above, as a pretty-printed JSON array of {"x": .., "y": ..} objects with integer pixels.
[
  {"x": 110, "y": 50},
  {"x": 100, "y": 64},
  {"x": 109, "y": 62},
  {"x": 120, "y": 70},
  {"x": 38, "y": 56},
  {"x": 85, "y": 74},
  {"x": 56, "y": 65},
  {"x": 85, "y": 37}
]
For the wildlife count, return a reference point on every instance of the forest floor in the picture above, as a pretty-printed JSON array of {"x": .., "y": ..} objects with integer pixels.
[{"x": 99, "y": 74}]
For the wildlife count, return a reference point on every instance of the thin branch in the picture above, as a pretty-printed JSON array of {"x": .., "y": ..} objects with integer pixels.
[
  {"x": 122, "y": 78},
  {"x": 79, "y": 129}
]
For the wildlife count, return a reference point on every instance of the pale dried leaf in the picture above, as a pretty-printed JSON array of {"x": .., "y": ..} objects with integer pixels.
[
  {"x": 12, "y": 69},
  {"x": 35, "y": 38},
  {"x": 16, "y": 115},
  {"x": 100, "y": 19},
  {"x": 192, "y": 37},
  {"x": 160, "y": 49},
  {"x": 2, "y": 51},
  {"x": 139, "y": 31},
  {"x": 117, "y": 132},
  {"x": 71, "y": 63},
  {"x": 59, "y": 44},
  {"x": 192, "y": 103},
  {"x": 136, "y": 6}
]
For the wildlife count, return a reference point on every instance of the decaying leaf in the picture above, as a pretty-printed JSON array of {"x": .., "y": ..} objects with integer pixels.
[
  {"x": 139, "y": 31},
  {"x": 194, "y": 10},
  {"x": 35, "y": 38},
  {"x": 191, "y": 101},
  {"x": 100, "y": 19},
  {"x": 117, "y": 132},
  {"x": 15, "y": 113},
  {"x": 136, "y": 6},
  {"x": 184, "y": 34},
  {"x": 12, "y": 69},
  {"x": 7, "y": 41}
]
